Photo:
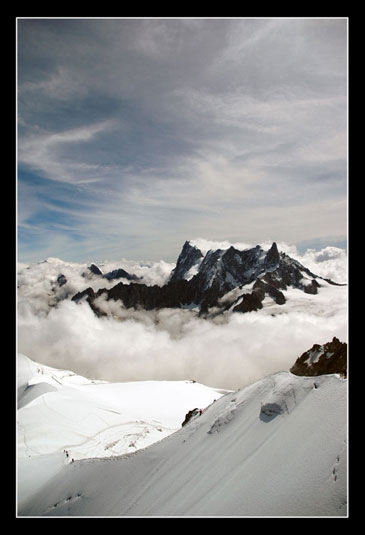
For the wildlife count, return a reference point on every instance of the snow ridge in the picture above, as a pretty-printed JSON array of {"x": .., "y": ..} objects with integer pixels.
[{"x": 251, "y": 453}]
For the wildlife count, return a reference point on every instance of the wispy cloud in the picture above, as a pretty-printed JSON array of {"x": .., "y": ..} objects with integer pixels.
[
  {"x": 178, "y": 128},
  {"x": 45, "y": 152},
  {"x": 60, "y": 85}
]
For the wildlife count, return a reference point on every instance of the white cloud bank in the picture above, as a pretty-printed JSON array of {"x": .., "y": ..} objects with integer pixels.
[{"x": 228, "y": 352}]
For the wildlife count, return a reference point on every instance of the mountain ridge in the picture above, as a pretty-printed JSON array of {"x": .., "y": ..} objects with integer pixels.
[{"x": 202, "y": 280}]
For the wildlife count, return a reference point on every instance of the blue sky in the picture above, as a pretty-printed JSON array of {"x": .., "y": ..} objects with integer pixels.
[{"x": 137, "y": 134}]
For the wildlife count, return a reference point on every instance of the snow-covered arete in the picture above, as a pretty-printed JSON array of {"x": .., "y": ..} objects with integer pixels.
[{"x": 275, "y": 448}]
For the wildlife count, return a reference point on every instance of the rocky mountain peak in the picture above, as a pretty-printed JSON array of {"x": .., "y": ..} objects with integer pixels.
[
  {"x": 219, "y": 280},
  {"x": 272, "y": 256},
  {"x": 115, "y": 274},
  {"x": 95, "y": 270},
  {"x": 189, "y": 257},
  {"x": 323, "y": 359}
]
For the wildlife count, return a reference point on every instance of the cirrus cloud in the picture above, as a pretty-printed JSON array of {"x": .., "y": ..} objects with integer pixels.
[{"x": 170, "y": 128}]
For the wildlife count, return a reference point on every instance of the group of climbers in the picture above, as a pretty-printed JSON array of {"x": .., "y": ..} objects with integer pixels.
[{"x": 67, "y": 455}]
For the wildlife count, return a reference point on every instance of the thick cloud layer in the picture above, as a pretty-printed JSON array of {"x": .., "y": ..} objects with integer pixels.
[{"x": 229, "y": 351}]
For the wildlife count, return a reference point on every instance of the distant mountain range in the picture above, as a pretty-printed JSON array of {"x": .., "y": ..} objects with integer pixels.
[{"x": 219, "y": 280}]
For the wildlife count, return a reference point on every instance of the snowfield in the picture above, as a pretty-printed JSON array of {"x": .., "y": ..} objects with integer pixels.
[
  {"x": 275, "y": 448},
  {"x": 59, "y": 410}
]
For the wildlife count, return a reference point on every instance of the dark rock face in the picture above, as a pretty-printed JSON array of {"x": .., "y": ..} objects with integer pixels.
[
  {"x": 272, "y": 257},
  {"x": 175, "y": 294},
  {"x": 112, "y": 275},
  {"x": 230, "y": 268},
  {"x": 271, "y": 290},
  {"x": 326, "y": 359},
  {"x": 120, "y": 274},
  {"x": 95, "y": 270},
  {"x": 312, "y": 288},
  {"x": 56, "y": 294},
  {"x": 189, "y": 415},
  {"x": 61, "y": 280},
  {"x": 250, "y": 302},
  {"x": 87, "y": 295},
  {"x": 188, "y": 258}
]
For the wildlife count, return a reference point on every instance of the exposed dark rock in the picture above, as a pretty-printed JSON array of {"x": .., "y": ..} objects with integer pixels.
[
  {"x": 210, "y": 296},
  {"x": 334, "y": 283},
  {"x": 251, "y": 302},
  {"x": 272, "y": 257},
  {"x": 94, "y": 269},
  {"x": 120, "y": 274},
  {"x": 115, "y": 274},
  {"x": 61, "y": 280},
  {"x": 270, "y": 289},
  {"x": 87, "y": 294},
  {"x": 312, "y": 288},
  {"x": 189, "y": 257},
  {"x": 175, "y": 294},
  {"x": 323, "y": 359},
  {"x": 189, "y": 415}
]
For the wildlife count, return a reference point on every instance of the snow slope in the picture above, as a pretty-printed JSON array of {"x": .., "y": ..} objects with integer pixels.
[
  {"x": 59, "y": 410},
  {"x": 274, "y": 448}
]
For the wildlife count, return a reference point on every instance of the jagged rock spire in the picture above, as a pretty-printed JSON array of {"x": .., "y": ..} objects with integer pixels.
[
  {"x": 189, "y": 256},
  {"x": 272, "y": 256}
]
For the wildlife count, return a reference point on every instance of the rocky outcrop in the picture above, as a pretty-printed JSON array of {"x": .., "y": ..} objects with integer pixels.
[
  {"x": 95, "y": 270},
  {"x": 120, "y": 274},
  {"x": 250, "y": 302},
  {"x": 61, "y": 280},
  {"x": 189, "y": 415},
  {"x": 88, "y": 295},
  {"x": 271, "y": 290},
  {"x": 272, "y": 258},
  {"x": 323, "y": 359},
  {"x": 115, "y": 274}
]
